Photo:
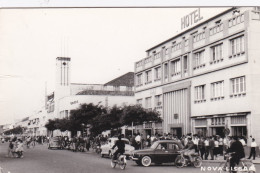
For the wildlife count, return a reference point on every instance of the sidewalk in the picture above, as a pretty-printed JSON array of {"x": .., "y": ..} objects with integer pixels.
[{"x": 221, "y": 159}]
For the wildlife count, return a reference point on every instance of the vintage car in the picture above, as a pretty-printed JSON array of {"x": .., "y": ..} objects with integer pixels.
[
  {"x": 163, "y": 151},
  {"x": 54, "y": 142},
  {"x": 107, "y": 151}
]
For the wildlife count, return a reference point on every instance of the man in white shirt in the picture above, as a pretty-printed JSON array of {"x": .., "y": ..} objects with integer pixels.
[
  {"x": 253, "y": 148},
  {"x": 138, "y": 141},
  {"x": 206, "y": 144}
]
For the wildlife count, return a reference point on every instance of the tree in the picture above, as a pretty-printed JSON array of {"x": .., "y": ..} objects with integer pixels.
[
  {"x": 50, "y": 125},
  {"x": 15, "y": 131},
  {"x": 138, "y": 115},
  {"x": 85, "y": 114}
]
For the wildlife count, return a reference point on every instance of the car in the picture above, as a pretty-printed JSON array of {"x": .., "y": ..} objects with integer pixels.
[
  {"x": 162, "y": 151},
  {"x": 54, "y": 142},
  {"x": 107, "y": 151}
]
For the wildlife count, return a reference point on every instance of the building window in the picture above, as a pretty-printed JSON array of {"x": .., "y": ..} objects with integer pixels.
[
  {"x": 116, "y": 88},
  {"x": 200, "y": 93},
  {"x": 199, "y": 61},
  {"x": 238, "y": 86},
  {"x": 66, "y": 114},
  {"x": 139, "y": 64},
  {"x": 139, "y": 81},
  {"x": 129, "y": 88},
  {"x": 217, "y": 90},
  {"x": 167, "y": 51},
  {"x": 139, "y": 102},
  {"x": 157, "y": 55},
  {"x": 216, "y": 29},
  {"x": 185, "y": 64},
  {"x": 216, "y": 53},
  {"x": 148, "y": 103},
  {"x": 158, "y": 100},
  {"x": 176, "y": 46},
  {"x": 148, "y": 77},
  {"x": 148, "y": 59},
  {"x": 176, "y": 67},
  {"x": 236, "y": 20},
  {"x": 237, "y": 46},
  {"x": 198, "y": 37},
  {"x": 166, "y": 70},
  {"x": 218, "y": 121},
  {"x": 186, "y": 43},
  {"x": 157, "y": 73}
]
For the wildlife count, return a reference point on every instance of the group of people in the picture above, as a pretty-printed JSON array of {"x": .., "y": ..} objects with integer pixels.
[
  {"x": 15, "y": 148},
  {"x": 208, "y": 147}
]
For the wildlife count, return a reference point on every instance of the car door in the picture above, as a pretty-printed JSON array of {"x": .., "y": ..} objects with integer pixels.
[
  {"x": 161, "y": 153},
  {"x": 172, "y": 152}
]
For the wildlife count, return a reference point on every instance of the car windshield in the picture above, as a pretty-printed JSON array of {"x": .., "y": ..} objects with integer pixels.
[{"x": 154, "y": 145}]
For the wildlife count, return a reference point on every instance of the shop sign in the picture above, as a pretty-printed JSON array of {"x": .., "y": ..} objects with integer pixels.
[{"x": 190, "y": 19}]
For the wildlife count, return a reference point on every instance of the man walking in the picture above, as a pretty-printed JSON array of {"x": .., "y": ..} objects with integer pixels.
[{"x": 253, "y": 149}]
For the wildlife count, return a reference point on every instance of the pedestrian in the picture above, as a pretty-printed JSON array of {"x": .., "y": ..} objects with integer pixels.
[
  {"x": 216, "y": 148},
  {"x": 19, "y": 149},
  {"x": 220, "y": 140},
  {"x": 196, "y": 143},
  {"x": 201, "y": 147},
  {"x": 87, "y": 143},
  {"x": 10, "y": 149},
  {"x": 211, "y": 147},
  {"x": 253, "y": 149},
  {"x": 206, "y": 144},
  {"x": 138, "y": 141}
]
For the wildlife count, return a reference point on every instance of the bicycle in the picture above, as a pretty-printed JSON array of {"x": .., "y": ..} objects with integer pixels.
[
  {"x": 121, "y": 161},
  {"x": 183, "y": 160},
  {"x": 246, "y": 165}
]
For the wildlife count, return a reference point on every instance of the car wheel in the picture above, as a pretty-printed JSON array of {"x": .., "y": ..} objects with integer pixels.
[
  {"x": 146, "y": 161},
  {"x": 138, "y": 162},
  {"x": 102, "y": 155},
  {"x": 110, "y": 155}
]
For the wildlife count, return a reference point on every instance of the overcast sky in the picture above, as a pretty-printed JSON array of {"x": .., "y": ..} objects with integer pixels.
[{"x": 103, "y": 43}]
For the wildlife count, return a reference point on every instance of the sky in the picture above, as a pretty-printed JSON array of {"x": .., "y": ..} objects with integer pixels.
[{"x": 103, "y": 43}]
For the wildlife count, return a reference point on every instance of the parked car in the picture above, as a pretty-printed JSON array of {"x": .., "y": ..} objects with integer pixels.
[
  {"x": 107, "y": 151},
  {"x": 163, "y": 151},
  {"x": 55, "y": 142}
]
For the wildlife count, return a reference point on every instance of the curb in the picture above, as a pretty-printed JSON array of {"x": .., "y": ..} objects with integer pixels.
[{"x": 220, "y": 161}]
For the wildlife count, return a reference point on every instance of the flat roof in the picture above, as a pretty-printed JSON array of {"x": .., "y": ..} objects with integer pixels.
[{"x": 188, "y": 30}]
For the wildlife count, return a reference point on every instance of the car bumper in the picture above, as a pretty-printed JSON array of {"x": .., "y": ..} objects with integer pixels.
[{"x": 133, "y": 158}]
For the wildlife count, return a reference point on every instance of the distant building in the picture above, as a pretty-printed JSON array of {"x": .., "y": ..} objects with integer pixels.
[
  {"x": 206, "y": 79},
  {"x": 68, "y": 96}
]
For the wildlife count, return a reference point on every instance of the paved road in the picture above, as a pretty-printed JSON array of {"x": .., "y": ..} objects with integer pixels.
[{"x": 42, "y": 160}]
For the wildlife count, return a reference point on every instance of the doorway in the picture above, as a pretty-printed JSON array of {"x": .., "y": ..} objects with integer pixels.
[
  {"x": 218, "y": 131},
  {"x": 177, "y": 132}
]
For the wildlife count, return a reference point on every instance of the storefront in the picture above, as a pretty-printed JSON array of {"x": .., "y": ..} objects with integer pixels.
[{"x": 235, "y": 123}]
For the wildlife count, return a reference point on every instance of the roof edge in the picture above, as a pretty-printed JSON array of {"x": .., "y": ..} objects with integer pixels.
[{"x": 224, "y": 12}]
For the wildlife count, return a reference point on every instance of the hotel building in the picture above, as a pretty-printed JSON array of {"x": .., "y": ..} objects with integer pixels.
[{"x": 206, "y": 79}]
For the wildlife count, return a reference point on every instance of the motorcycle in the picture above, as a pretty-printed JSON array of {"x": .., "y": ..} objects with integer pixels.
[
  {"x": 121, "y": 161},
  {"x": 183, "y": 160}
]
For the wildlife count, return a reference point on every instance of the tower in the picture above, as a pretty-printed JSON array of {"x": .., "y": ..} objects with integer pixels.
[{"x": 62, "y": 87}]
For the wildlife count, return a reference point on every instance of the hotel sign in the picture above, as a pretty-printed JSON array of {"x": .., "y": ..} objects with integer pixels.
[{"x": 190, "y": 19}]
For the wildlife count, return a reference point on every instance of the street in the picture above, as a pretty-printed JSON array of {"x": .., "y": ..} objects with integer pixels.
[{"x": 42, "y": 160}]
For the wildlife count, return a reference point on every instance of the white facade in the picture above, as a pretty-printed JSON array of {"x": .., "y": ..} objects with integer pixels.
[{"x": 208, "y": 76}]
